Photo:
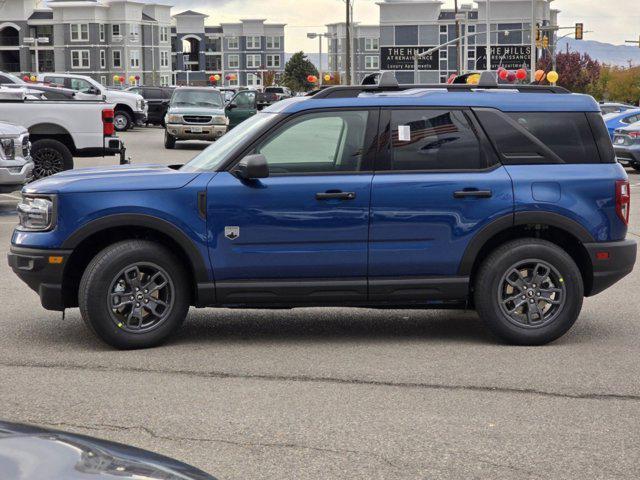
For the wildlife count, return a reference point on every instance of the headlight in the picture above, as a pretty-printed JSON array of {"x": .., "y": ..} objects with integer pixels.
[
  {"x": 140, "y": 104},
  {"x": 7, "y": 148},
  {"x": 36, "y": 214},
  {"x": 173, "y": 118},
  {"x": 220, "y": 120}
]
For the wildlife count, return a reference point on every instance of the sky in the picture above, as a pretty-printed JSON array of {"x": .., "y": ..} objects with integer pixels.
[{"x": 612, "y": 21}]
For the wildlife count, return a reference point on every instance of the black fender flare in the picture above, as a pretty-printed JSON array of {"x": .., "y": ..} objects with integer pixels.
[
  {"x": 513, "y": 220},
  {"x": 198, "y": 264}
]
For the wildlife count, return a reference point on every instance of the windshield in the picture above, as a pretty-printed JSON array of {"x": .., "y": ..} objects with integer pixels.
[
  {"x": 197, "y": 98},
  {"x": 220, "y": 150}
]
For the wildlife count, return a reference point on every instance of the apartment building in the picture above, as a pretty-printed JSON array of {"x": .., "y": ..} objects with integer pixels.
[
  {"x": 366, "y": 49},
  {"x": 241, "y": 53}
]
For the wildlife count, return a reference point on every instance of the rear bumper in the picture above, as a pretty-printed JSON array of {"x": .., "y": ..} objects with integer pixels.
[
  {"x": 628, "y": 155},
  {"x": 607, "y": 271},
  {"x": 33, "y": 267}
]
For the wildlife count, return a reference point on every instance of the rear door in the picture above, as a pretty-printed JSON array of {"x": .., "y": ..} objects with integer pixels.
[
  {"x": 241, "y": 107},
  {"x": 437, "y": 183}
]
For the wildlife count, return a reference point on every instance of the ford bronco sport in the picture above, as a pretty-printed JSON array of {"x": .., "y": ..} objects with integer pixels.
[{"x": 506, "y": 199}]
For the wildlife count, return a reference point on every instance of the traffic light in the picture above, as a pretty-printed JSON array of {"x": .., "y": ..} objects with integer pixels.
[
  {"x": 579, "y": 31},
  {"x": 545, "y": 42},
  {"x": 538, "y": 36}
]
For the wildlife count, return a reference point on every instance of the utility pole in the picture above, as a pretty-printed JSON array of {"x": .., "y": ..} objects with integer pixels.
[
  {"x": 458, "y": 45},
  {"x": 533, "y": 39},
  {"x": 488, "y": 36},
  {"x": 348, "y": 59}
]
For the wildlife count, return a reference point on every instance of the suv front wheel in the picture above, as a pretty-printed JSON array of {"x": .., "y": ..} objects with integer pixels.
[
  {"x": 134, "y": 294},
  {"x": 529, "y": 292}
]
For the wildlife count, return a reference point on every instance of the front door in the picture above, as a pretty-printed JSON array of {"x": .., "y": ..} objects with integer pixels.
[
  {"x": 241, "y": 107},
  {"x": 437, "y": 184},
  {"x": 300, "y": 235}
]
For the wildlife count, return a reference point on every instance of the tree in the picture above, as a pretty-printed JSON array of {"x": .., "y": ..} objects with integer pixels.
[
  {"x": 268, "y": 78},
  {"x": 578, "y": 73},
  {"x": 296, "y": 71},
  {"x": 624, "y": 85}
]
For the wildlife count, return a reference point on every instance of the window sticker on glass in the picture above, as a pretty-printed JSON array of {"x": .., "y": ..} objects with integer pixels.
[{"x": 404, "y": 133}]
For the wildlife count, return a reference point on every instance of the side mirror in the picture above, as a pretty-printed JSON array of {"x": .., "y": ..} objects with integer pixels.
[
  {"x": 252, "y": 167},
  {"x": 93, "y": 91},
  {"x": 231, "y": 106}
]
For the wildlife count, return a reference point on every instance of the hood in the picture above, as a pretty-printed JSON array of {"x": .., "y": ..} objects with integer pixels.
[
  {"x": 634, "y": 127},
  {"x": 112, "y": 179},
  {"x": 28, "y": 453},
  {"x": 114, "y": 95},
  {"x": 11, "y": 130},
  {"x": 196, "y": 110}
]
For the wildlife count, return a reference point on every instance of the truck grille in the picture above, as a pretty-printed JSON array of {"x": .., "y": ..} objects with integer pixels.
[{"x": 197, "y": 118}]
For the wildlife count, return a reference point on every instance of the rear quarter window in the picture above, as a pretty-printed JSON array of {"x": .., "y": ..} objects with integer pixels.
[{"x": 541, "y": 137}]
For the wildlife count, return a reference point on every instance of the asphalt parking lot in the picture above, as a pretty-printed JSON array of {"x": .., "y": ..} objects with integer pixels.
[{"x": 336, "y": 393}]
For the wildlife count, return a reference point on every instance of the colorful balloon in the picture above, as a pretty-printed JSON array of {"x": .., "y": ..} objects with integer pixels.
[
  {"x": 26, "y": 78},
  {"x": 312, "y": 79},
  {"x": 116, "y": 78},
  {"x": 216, "y": 77},
  {"x": 212, "y": 78},
  {"x": 121, "y": 79},
  {"x": 521, "y": 74},
  {"x": 503, "y": 74},
  {"x": 473, "y": 79},
  {"x": 137, "y": 77},
  {"x": 33, "y": 78},
  {"x": 539, "y": 75},
  {"x": 327, "y": 78},
  {"x": 511, "y": 77},
  {"x": 553, "y": 76}
]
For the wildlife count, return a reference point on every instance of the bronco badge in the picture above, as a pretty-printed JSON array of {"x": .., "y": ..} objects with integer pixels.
[{"x": 232, "y": 232}]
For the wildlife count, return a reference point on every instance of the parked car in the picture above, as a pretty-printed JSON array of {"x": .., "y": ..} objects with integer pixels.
[
  {"x": 130, "y": 108},
  {"x": 195, "y": 113},
  {"x": 621, "y": 119},
  {"x": 47, "y": 92},
  {"x": 275, "y": 94},
  {"x": 33, "y": 453},
  {"x": 510, "y": 203},
  {"x": 608, "y": 107},
  {"x": 158, "y": 99},
  {"x": 228, "y": 93},
  {"x": 245, "y": 104},
  {"x": 62, "y": 129},
  {"x": 626, "y": 142},
  {"x": 16, "y": 166}
]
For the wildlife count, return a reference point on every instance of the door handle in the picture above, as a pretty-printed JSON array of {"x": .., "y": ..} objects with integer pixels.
[
  {"x": 473, "y": 194},
  {"x": 335, "y": 195}
]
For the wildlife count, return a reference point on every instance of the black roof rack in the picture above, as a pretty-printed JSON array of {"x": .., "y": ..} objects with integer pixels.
[{"x": 386, "y": 82}]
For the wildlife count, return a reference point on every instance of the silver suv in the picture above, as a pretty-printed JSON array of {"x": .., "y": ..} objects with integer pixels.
[{"x": 16, "y": 166}]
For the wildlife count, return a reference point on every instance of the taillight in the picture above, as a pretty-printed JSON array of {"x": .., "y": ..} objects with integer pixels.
[
  {"x": 623, "y": 200},
  {"x": 108, "y": 128}
]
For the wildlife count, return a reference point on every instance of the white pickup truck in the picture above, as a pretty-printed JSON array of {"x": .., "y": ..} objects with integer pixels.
[
  {"x": 130, "y": 108},
  {"x": 62, "y": 129}
]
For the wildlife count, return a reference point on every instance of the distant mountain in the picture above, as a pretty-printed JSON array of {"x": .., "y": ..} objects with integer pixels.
[
  {"x": 314, "y": 58},
  {"x": 603, "y": 52}
]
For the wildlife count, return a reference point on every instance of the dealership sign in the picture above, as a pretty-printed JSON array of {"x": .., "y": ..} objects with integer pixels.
[
  {"x": 510, "y": 57},
  {"x": 402, "y": 58}
]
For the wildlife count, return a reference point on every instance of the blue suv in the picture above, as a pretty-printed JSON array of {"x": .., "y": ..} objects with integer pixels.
[{"x": 505, "y": 199}]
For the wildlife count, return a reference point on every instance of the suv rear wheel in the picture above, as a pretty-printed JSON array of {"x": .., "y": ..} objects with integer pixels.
[
  {"x": 134, "y": 294},
  {"x": 529, "y": 292},
  {"x": 50, "y": 157}
]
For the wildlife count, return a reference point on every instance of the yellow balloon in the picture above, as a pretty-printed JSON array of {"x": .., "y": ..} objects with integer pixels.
[
  {"x": 327, "y": 78},
  {"x": 553, "y": 76},
  {"x": 132, "y": 78},
  {"x": 116, "y": 78},
  {"x": 217, "y": 77},
  {"x": 33, "y": 78},
  {"x": 473, "y": 79}
]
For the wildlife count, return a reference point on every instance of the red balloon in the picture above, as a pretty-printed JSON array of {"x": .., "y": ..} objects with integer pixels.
[
  {"x": 521, "y": 74},
  {"x": 137, "y": 77},
  {"x": 312, "y": 79},
  {"x": 511, "y": 77},
  {"x": 503, "y": 74},
  {"x": 26, "y": 78},
  {"x": 227, "y": 77},
  {"x": 212, "y": 78},
  {"x": 121, "y": 79}
]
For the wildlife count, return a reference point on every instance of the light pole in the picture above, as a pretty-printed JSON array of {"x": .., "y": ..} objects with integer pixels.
[
  {"x": 319, "y": 36},
  {"x": 488, "y": 36},
  {"x": 36, "y": 41},
  {"x": 533, "y": 38}
]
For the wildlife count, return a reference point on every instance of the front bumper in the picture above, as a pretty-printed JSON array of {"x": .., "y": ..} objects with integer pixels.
[
  {"x": 628, "y": 155},
  {"x": 12, "y": 179},
  {"x": 190, "y": 132},
  {"x": 43, "y": 272},
  {"x": 612, "y": 261}
]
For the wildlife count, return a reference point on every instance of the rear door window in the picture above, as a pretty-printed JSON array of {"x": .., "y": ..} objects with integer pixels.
[
  {"x": 540, "y": 137},
  {"x": 430, "y": 139}
]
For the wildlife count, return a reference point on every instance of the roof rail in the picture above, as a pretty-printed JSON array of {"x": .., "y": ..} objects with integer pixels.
[{"x": 386, "y": 82}]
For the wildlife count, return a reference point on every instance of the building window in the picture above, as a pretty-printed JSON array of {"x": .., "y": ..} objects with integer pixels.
[
  {"x": 164, "y": 59},
  {"x": 443, "y": 29},
  {"x": 117, "y": 59},
  {"x": 273, "y": 43},
  {"x": 135, "y": 30},
  {"x": 273, "y": 61},
  {"x": 471, "y": 54},
  {"x": 79, "y": 32},
  {"x": 443, "y": 53},
  {"x": 253, "y": 42},
  {"x": 164, "y": 34},
  {"x": 253, "y": 80},
  {"x": 371, "y": 44},
  {"x": 134, "y": 58},
  {"x": 164, "y": 80},
  {"x": 115, "y": 30},
  {"x": 79, "y": 58},
  {"x": 103, "y": 80},
  {"x": 471, "y": 29},
  {"x": 102, "y": 32},
  {"x": 233, "y": 44},
  {"x": 253, "y": 61},
  {"x": 103, "y": 59},
  {"x": 234, "y": 61},
  {"x": 372, "y": 62}
]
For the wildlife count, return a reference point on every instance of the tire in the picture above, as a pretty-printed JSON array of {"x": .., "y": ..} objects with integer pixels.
[
  {"x": 50, "y": 157},
  {"x": 528, "y": 325},
  {"x": 112, "y": 277},
  {"x": 169, "y": 141},
  {"x": 636, "y": 167},
  {"x": 122, "y": 120}
]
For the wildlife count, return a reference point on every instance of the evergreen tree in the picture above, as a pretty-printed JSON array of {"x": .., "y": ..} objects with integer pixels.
[{"x": 296, "y": 71}]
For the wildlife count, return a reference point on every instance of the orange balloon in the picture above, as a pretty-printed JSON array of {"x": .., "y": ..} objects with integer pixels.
[{"x": 539, "y": 75}]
